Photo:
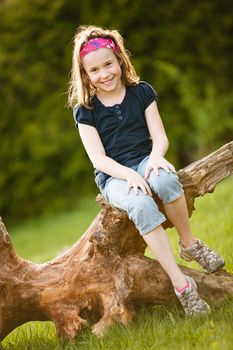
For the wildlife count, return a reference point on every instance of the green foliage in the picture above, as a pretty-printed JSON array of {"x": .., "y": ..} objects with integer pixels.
[{"x": 182, "y": 49}]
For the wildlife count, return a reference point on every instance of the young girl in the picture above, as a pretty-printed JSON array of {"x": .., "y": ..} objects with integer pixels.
[{"x": 121, "y": 130}]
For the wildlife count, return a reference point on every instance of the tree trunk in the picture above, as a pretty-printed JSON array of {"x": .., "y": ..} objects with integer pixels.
[{"x": 105, "y": 275}]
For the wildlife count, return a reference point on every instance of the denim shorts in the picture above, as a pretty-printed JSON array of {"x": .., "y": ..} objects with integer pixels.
[{"x": 141, "y": 208}]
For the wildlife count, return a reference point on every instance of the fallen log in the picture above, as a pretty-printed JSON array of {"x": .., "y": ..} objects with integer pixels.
[{"x": 104, "y": 275}]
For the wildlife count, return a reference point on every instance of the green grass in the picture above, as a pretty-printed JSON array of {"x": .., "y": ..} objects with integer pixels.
[
  {"x": 41, "y": 239},
  {"x": 155, "y": 327}
]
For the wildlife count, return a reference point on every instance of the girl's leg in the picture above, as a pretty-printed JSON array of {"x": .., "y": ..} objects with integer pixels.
[
  {"x": 185, "y": 287},
  {"x": 191, "y": 248},
  {"x": 143, "y": 210},
  {"x": 145, "y": 213},
  {"x": 158, "y": 241},
  {"x": 177, "y": 213},
  {"x": 169, "y": 189}
]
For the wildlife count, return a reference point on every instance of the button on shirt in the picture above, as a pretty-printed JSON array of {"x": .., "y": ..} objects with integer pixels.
[{"x": 122, "y": 128}]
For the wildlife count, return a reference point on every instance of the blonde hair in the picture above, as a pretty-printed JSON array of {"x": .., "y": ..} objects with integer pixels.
[{"x": 80, "y": 90}]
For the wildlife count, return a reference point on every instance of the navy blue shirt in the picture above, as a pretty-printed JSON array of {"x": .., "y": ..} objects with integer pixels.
[{"x": 122, "y": 128}]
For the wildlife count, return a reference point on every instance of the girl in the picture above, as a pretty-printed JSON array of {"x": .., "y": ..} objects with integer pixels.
[{"x": 122, "y": 132}]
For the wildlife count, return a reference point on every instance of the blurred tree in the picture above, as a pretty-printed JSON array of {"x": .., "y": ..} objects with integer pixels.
[{"x": 183, "y": 49}]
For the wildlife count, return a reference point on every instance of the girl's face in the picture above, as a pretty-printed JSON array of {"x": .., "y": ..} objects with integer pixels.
[{"x": 103, "y": 70}]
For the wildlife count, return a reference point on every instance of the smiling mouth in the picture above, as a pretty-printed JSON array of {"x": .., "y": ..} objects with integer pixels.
[{"x": 107, "y": 81}]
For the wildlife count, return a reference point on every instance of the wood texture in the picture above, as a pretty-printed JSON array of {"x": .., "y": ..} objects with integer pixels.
[{"x": 105, "y": 275}]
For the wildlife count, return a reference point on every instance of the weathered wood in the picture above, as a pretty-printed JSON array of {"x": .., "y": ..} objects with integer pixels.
[{"x": 105, "y": 274}]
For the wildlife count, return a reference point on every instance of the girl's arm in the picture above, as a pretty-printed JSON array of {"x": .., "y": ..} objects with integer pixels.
[
  {"x": 160, "y": 142},
  {"x": 95, "y": 150}
]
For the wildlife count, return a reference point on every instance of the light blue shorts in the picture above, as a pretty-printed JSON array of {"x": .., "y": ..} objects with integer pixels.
[{"x": 141, "y": 208}]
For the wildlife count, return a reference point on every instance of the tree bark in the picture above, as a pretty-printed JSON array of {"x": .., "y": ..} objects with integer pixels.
[{"x": 104, "y": 276}]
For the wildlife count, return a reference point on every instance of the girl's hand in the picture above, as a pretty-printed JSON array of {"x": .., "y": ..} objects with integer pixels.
[
  {"x": 136, "y": 181},
  {"x": 155, "y": 162}
]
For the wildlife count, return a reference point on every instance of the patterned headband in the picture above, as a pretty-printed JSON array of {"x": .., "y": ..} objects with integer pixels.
[{"x": 98, "y": 43}]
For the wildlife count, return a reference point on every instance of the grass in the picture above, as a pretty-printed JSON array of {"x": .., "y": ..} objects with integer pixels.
[
  {"x": 39, "y": 240},
  {"x": 155, "y": 327}
]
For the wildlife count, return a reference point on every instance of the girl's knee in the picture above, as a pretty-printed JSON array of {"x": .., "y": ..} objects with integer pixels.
[
  {"x": 144, "y": 212},
  {"x": 140, "y": 207},
  {"x": 166, "y": 185},
  {"x": 140, "y": 202}
]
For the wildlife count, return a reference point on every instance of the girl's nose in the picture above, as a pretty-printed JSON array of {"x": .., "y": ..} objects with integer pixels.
[{"x": 104, "y": 74}]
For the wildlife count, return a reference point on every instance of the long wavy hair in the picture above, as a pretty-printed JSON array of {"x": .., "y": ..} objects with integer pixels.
[{"x": 80, "y": 89}]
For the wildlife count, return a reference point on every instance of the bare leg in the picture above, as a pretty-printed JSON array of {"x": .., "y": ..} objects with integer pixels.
[
  {"x": 157, "y": 240},
  {"x": 177, "y": 213}
]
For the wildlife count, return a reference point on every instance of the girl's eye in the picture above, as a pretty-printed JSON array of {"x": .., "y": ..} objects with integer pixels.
[{"x": 108, "y": 63}]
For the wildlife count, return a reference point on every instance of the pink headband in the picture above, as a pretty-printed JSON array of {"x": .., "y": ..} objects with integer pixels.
[{"x": 97, "y": 43}]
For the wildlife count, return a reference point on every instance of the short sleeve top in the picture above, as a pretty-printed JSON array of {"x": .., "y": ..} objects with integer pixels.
[{"x": 122, "y": 128}]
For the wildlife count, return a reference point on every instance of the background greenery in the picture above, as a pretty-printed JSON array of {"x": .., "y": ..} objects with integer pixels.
[{"x": 183, "y": 48}]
